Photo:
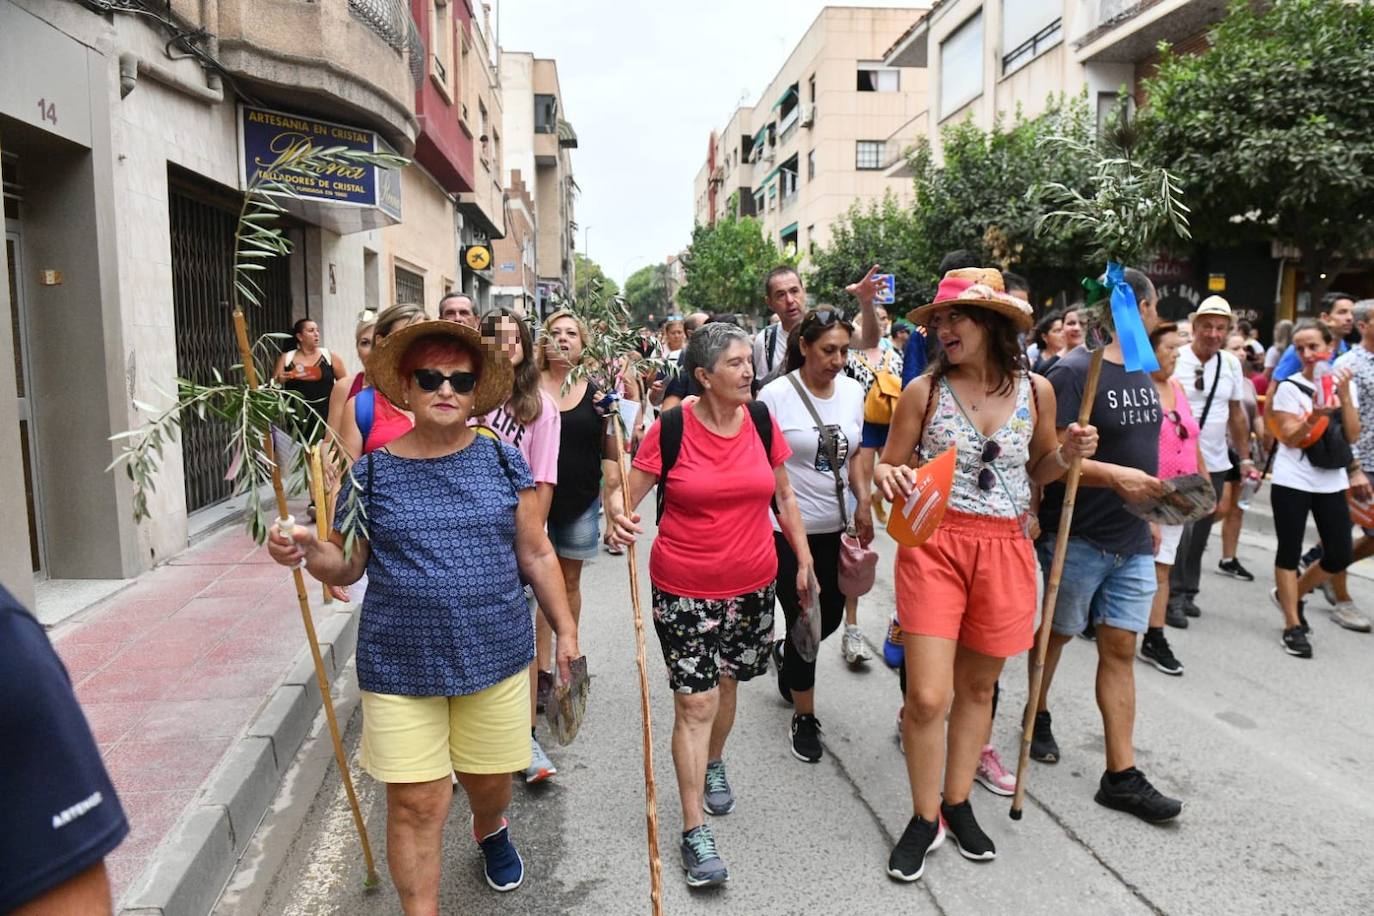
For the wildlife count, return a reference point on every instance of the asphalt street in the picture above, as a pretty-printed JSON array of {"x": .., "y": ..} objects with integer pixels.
[{"x": 1267, "y": 751}]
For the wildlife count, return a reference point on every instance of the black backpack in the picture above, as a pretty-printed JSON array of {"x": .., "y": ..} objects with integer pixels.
[
  {"x": 1331, "y": 452},
  {"x": 670, "y": 441}
]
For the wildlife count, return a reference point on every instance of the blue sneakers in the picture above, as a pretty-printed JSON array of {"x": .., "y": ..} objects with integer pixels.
[
  {"x": 719, "y": 797},
  {"x": 894, "y": 652},
  {"x": 700, "y": 860},
  {"x": 505, "y": 871}
]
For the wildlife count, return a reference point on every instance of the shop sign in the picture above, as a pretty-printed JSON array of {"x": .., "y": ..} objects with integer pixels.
[
  {"x": 478, "y": 257},
  {"x": 1216, "y": 283},
  {"x": 265, "y": 134}
]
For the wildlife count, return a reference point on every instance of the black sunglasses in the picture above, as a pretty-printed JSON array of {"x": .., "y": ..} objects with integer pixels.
[
  {"x": 825, "y": 317},
  {"x": 1175, "y": 418},
  {"x": 987, "y": 477},
  {"x": 431, "y": 379},
  {"x": 1197, "y": 377}
]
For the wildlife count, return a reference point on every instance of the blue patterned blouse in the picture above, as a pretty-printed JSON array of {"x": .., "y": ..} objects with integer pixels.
[{"x": 444, "y": 613}]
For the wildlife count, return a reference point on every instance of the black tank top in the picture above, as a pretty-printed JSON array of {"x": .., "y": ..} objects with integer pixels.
[
  {"x": 579, "y": 460},
  {"x": 315, "y": 384}
]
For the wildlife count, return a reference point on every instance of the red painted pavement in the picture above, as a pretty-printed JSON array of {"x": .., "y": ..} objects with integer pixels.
[{"x": 172, "y": 669}]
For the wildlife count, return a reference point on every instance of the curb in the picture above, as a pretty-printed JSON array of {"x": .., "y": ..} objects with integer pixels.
[{"x": 192, "y": 865}]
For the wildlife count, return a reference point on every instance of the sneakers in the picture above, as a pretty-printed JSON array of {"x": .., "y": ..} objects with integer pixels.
[
  {"x": 853, "y": 647},
  {"x": 1302, "y": 610},
  {"x": 783, "y": 690},
  {"x": 504, "y": 869},
  {"x": 1131, "y": 792},
  {"x": 1295, "y": 642},
  {"x": 700, "y": 860},
  {"x": 541, "y": 767},
  {"x": 894, "y": 651},
  {"x": 543, "y": 690},
  {"x": 1344, "y": 613},
  {"x": 719, "y": 798},
  {"x": 1233, "y": 569},
  {"x": 1175, "y": 616},
  {"x": 1154, "y": 648},
  {"x": 991, "y": 775},
  {"x": 920, "y": 838},
  {"x": 806, "y": 738},
  {"x": 1043, "y": 746},
  {"x": 969, "y": 838},
  {"x": 1329, "y": 593}
]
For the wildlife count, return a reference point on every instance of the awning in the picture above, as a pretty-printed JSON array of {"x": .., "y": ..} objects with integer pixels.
[
  {"x": 790, "y": 93},
  {"x": 567, "y": 137},
  {"x": 769, "y": 177},
  {"x": 787, "y": 230},
  {"x": 758, "y": 137}
]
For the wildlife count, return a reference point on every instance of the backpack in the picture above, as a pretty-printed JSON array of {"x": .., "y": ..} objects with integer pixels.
[
  {"x": 670, "y": 441},
  {"x": 771, "y": 371},
  {"x": 881, "y": 400},
  {"x": 364, "y": 411},
  {"x": 1331, "y": 451}
]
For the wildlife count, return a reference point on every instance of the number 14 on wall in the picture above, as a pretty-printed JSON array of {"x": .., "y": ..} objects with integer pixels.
[{"x": 47, "y": 111}]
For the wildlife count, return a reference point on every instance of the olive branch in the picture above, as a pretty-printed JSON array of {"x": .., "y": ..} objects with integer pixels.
[{"x": 270, "y": 427}]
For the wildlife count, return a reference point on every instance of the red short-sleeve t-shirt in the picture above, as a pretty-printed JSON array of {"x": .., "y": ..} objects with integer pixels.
[{"x": 715, "y": 539}]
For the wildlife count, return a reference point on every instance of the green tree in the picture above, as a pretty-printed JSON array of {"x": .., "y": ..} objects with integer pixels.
[
  {"x": 884, "y": 233},
  {"x": 1271, "y": 131},
  {"x": 977, "y": 199},
  {"x": 725, "y": 266},
  {"x": 649, "y": 292},
  {"x": 587, "y": 271}
]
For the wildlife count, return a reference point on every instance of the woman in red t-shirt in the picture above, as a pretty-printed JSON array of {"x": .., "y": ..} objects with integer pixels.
[{"x": 713, "y": 566}]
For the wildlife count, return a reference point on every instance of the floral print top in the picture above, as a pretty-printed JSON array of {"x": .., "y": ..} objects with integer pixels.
[{"x": 1006, "y": 491}]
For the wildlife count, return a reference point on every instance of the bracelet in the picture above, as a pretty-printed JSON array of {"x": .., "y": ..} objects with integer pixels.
[{"x": 1059, "y": 458}]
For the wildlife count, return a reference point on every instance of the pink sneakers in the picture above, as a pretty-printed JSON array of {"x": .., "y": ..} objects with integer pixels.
[{"x": 993, "y": 775}]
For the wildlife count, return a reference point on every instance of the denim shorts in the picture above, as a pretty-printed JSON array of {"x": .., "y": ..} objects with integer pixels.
[
  {"x": 579, "y": 539},
  {"x": 1115, "y": 590}
]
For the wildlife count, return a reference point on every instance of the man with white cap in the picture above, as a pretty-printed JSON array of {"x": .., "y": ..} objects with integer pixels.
[{"x": 1214, "y": 382}]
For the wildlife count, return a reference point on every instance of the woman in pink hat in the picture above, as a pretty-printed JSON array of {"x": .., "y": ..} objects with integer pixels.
[{"x": 978, "y": 398}]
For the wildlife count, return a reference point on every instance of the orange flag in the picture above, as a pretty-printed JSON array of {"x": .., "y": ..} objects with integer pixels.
[{"x": 916, "y": 518}]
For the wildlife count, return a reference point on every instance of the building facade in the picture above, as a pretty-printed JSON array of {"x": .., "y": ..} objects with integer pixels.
[
  {"x": 125, "y": 141},
  {"x": 539, "y": 144},
  {"x": 822, "y": 135},
  {"x": 516, "y": 280}
]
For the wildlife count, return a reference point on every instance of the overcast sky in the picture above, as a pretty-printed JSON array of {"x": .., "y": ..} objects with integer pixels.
[{"x": 644, "y": 83}]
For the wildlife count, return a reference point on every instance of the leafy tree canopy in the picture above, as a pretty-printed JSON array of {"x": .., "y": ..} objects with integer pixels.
[
  {"x": 726, "y": 265},
  {"x": 883, "y": 232},
  {"x": 649, "y": 292},
  {"x": 1271, "y": 131},
  {"x": 588, "y": 271}
]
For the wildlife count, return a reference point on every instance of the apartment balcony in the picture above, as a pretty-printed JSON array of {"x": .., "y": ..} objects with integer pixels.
[
  {"x": 356, "y": 61},
  {"x": 1126, "y": 31}
]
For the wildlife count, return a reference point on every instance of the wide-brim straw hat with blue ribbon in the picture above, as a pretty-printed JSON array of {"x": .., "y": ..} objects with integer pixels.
[
  {"x": 976, "y": 287},
  {"x": 495, "y": 377}
]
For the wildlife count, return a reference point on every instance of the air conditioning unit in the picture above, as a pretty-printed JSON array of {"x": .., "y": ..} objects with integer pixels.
[{"x": 808, "y": 116}]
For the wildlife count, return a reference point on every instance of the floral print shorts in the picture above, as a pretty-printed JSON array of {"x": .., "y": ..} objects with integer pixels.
[{"x": 703, "y": 638}]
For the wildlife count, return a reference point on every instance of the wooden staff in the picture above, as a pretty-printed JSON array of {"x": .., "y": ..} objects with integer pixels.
[
  {"x": 251, "y": 375},
  {"x": 318, "y": 496},
  {"x": 650, "y": 792},
  {"x": 1061, "y": 548}
]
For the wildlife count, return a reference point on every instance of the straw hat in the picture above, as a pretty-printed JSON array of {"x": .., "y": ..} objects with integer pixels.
[
  {"x": 494, "y": 373},
  {"x": 976, "y": 286}
]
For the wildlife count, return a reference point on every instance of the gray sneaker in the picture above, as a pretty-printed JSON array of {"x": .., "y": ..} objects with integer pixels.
[
  {"x": 719, "y": 798},
  {"x": 1329, "y": 593},
  {"x": 541, "y": 767},
  {"x": 1344, "y": 613},
  {"x": 699, "y": 858},
  {"x": 853, "y": 647}
]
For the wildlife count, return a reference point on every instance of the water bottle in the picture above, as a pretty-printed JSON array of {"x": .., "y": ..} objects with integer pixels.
[
  {"x": 1321, "y": 374},
  {"x": 1248, "y": 486}
]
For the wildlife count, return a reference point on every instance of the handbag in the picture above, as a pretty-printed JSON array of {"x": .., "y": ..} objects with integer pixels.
[{"x": 858, "y": 564}]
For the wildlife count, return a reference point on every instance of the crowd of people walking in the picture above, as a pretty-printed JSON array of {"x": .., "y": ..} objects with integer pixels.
[{"x": 484, "y": 455}]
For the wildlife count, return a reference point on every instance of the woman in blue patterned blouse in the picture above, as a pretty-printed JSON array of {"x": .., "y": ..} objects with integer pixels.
[{"x": 444, "y": 636}]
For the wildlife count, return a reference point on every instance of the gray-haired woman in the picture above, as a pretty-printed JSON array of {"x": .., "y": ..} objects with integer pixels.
[{"x": 713, "y": 565}]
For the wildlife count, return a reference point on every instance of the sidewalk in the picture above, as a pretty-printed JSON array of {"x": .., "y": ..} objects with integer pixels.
[{"x": 198, "y": 685}]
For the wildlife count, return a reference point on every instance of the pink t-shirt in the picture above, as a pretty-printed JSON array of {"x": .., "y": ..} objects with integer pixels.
[
  {"x": 1178, "y": 438},
  {"x": 715, "y": 539},
  {"x": 537, "y": 441}
]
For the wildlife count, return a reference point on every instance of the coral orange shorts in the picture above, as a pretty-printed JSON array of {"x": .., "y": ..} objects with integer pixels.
[{"x": 973, "y": 581}]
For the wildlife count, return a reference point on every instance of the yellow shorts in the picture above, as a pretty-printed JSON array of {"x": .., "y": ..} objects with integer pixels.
[{"x": 418, "y": 739}]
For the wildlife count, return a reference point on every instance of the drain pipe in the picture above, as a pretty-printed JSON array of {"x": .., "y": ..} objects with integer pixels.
[{"x": 131, "y": 65}]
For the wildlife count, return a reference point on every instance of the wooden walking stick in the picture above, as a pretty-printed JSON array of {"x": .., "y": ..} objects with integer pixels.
[
  {"x": 251, "y": 376},
  {"x": 319, "y": 497},
  {"x": 650, "y": 792},
  {"x": 1061, "y": 548}
]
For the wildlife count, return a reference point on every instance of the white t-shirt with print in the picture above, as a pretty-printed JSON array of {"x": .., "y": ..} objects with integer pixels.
[
  {"x": 809, "y": 467},
  {"x": 1230, "y": 387},
  {"x": 1291, "y": 467}
]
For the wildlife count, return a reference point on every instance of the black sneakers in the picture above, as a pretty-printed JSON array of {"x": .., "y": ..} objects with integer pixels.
[
  {"x": 806, "y": 738},
  {"x": 1131, "y": 792},
  {"x": 1043, "y": 746},
  {"x": 1175, "y": 616},
  {"x": 783, "y": 690},
  {"x": 1154, "y": 648},
  {"x": 969, "y": 838},
  {"x": 1295, "y": 642},
  {"x": 920, "y": 838},
  {"x": 1233, "y": 569}
]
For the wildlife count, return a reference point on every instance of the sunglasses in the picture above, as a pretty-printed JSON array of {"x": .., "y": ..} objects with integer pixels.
[
  {"x": 432, "y": 379},
  {"x": 1175, "y": 418},
  {"x": 1197, "y": 377},
  {"x": 825, "y": 317},
  {"x": 987, "y": 477}
]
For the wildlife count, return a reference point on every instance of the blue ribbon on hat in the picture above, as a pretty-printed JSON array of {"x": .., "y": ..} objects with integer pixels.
[{"x": 1130, "y": 330}]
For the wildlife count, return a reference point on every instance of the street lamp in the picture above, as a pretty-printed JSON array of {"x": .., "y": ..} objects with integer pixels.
[{"x": 586, "y": 244}]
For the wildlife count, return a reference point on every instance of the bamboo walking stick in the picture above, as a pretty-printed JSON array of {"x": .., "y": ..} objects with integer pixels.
[
  {"x": 251, "y": 376},
  {"x": 650, "y": 792},
  {"x": 1061, "y": 548},
  {"x": 318, "y": 496}
]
